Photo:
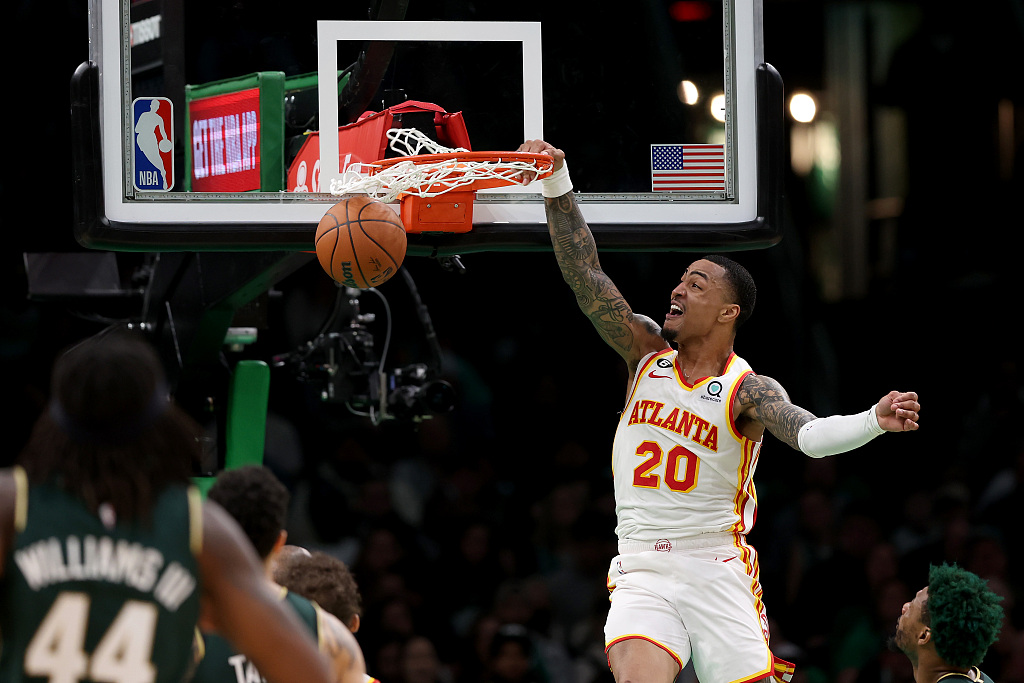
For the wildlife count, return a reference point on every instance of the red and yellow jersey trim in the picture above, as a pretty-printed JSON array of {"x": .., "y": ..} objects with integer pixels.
[
  {"x": 655, "y": 355},
  {"x": 745, "y": 485},
  {"x": 759, "y": 675},
  {"x": 783, "y": 670},
  {"x": 732, "y": 406},
  {"x": 752, "y": 567},
  {"x": 703, "y": 380},
  {"x": 637, "y": 636}
]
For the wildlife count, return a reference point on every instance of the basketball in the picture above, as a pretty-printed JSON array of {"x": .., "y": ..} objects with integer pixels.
[
  {"x": 165, "y": 145},
  {"x": 360, "y": 242}
]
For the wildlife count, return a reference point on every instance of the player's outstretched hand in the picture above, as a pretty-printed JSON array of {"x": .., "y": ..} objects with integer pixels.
[
  {"x": 898, "y": 411},
  {"x": 541, "y": 147}
]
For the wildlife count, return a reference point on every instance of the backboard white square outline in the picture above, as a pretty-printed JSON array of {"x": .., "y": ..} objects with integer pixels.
[{"x": 329, "y": 33}]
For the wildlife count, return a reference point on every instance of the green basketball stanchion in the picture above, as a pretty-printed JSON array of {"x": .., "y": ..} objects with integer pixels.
[{"x": 246, "y": 423}]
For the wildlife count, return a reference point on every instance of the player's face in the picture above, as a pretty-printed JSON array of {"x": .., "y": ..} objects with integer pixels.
[
  {"x": 909, "y": 627},
  {"x": 696, "y": 302}
]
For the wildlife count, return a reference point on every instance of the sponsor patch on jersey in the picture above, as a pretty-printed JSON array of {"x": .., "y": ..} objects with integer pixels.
[
  {"x": 663, "y": 545},
  {"x": 713, "y": 392},
  {"x": 664, "y": 363}
]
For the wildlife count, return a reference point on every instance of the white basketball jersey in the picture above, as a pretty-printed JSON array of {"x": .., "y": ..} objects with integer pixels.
[{"x": 681, "y": 469}]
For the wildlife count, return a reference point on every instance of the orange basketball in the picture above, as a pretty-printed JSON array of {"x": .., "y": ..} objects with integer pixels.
[{"x": 360, "y": 242}]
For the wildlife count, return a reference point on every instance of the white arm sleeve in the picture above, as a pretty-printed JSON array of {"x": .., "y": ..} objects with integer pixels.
[{"x": 825, "y": 436}]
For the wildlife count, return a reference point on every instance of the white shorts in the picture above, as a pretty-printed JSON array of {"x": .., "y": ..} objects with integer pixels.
[{"x": 696, "y": 598}]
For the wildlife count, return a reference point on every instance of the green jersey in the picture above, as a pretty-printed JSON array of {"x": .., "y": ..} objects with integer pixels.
[
  {"x": 87, "y": 597},
  {"x": 221, "y": 663}
]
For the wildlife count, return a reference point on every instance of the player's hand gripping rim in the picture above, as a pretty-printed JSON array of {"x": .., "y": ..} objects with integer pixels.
[{"x": 540, "y": 147}]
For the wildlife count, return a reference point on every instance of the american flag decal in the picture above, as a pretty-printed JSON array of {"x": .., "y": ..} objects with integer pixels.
[{"x": 688, "y": 168}]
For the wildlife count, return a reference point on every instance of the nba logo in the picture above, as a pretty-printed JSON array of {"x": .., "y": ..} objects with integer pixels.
[{"x": 153, "y": 149}]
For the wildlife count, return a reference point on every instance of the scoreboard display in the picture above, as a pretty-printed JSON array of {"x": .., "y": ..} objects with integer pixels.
[{"x": 234, "y": 132}]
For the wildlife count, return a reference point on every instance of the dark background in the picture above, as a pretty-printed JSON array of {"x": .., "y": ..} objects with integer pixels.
[{"x": 500, "y": 514}]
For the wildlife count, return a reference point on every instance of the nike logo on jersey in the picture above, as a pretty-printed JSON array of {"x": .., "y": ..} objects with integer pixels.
[{"x": 653, "y": 376}]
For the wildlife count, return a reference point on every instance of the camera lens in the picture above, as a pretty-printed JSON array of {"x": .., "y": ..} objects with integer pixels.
[{"x": 438, "y": 397}]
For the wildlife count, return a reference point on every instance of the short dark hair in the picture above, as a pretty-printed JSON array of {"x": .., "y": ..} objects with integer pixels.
[
  {"x": 963, "y": 613},
  {"x": 111, "y": 433},
  {"x": 257, "y": 500},
  {"x": 744, "y": 291},
  {"x": 325, "y": 580}
]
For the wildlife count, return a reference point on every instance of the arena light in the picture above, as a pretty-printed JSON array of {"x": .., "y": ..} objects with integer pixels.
[
  {"x": 687, "y": 92},
  {"x": 802, "y": 107},
  {"x": 717, "y": 107}
]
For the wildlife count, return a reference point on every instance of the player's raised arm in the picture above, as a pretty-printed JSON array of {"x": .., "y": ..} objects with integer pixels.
[
  {"x": 764, "y": 401},
  {"x": 631, "y": 335},
  {"x": 240, "y": 604}
]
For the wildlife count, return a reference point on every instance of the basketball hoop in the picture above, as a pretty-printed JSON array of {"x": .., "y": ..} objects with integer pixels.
[{"x": 427, "y": 170}]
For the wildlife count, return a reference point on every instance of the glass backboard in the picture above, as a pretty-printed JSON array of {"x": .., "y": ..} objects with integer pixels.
[{"x": 209, "y": 126}]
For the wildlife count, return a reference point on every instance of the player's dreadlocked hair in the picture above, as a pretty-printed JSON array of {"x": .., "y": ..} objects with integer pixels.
[
  {"x": 323, "y": 579},
  {"x": 257, "y": 500},
  {"x": 111, "y": 434},
  {"x": 963, "y": 613},
  {"x": 743, "y": 289}
]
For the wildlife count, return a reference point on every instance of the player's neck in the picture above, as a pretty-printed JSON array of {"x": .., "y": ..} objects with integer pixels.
[
  {"x": 703, "y": 358},
  {"x": 932, "y": 669}
]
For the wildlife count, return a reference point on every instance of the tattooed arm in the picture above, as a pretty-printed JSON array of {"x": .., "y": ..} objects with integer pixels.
[
  {"x": 631, "y": 335},
  {"x": 762, "y": 403}
]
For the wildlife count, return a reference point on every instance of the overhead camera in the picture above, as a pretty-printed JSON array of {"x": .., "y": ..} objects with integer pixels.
[
  {"x": 343, "y": 367},
  {"x": 411, "y": 393}
]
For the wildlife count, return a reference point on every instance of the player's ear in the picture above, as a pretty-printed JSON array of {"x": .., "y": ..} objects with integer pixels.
[
  {"x": 729, "y": 313},
  {"x": 353, "y": 623}
]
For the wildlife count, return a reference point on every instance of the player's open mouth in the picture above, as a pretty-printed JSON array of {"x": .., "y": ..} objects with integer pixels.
[{"x": 674, "y": 311}]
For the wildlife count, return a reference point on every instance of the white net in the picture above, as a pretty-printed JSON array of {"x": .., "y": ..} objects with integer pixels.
[{"x": 386, "y": 183}]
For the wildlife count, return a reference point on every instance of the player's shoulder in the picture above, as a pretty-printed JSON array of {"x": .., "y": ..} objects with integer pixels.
[{"x": 755, "y": 390}]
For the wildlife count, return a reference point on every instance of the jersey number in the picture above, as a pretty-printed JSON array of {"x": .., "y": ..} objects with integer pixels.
[
  {"x": 684, "y": 484},
  {"x": 57, "y": 650}
]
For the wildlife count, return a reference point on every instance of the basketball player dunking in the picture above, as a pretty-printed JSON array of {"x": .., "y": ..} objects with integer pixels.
[
  {"x": 105, "y": 549},
  {"x": 685, "y": 582}
]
